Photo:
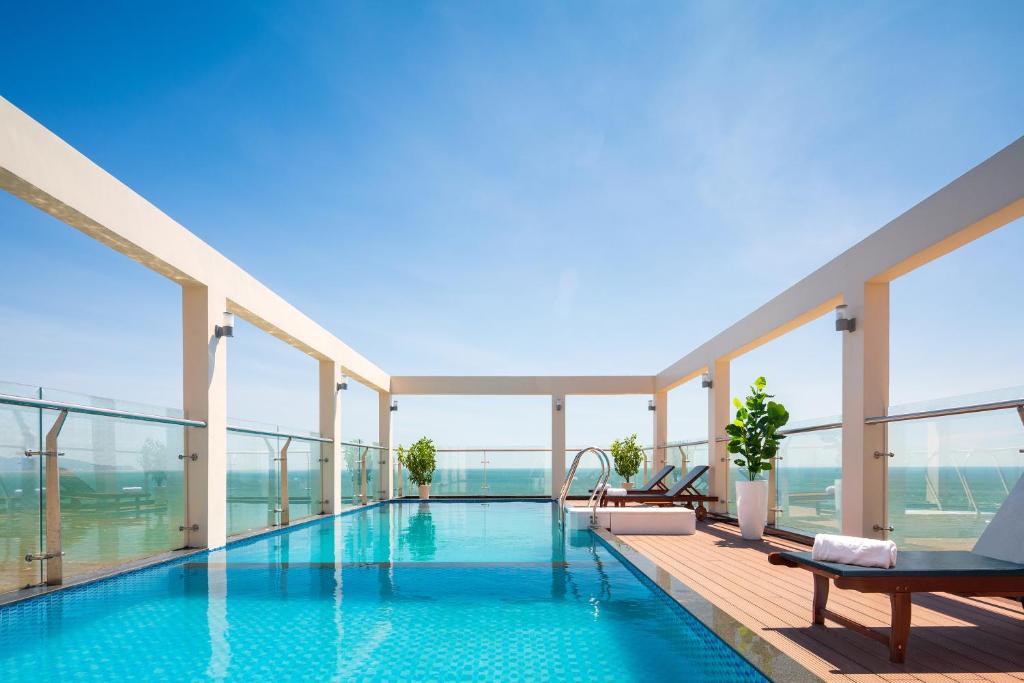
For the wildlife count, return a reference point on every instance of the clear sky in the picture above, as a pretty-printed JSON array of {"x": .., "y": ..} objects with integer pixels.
[{"x": 513, "y": 188}]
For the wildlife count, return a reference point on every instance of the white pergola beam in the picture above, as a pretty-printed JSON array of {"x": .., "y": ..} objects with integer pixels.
[
  {"x": 43, "y": 170},
  {"x": 985, "y": 198},
  {"x": 521, "y": 386}
]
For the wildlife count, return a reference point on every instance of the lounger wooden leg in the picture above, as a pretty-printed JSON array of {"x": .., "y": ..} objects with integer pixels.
[
  {"x": 899, "y": 632},
  {"x": 821, "y": 584}
]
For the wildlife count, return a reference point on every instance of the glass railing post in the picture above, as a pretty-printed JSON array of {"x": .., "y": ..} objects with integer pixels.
[
  {"x": 773, "y": 491},
  {"x": 283, "y": 459},
  {"x": 54, "y": 554},
  {"x": 362, "y": 476},
  {"x": 400, "y": 476},
  {"x": 484, "y": 461}
]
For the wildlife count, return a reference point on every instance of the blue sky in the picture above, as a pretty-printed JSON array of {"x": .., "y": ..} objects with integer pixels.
[{"x": 510, "y": 188}]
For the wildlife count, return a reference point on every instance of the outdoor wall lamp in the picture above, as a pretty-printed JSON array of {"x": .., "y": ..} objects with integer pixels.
[
  {"x": 558, "y": 404},
  {"x": 844, "y": 324},
  {"x": 394, "y": 406},
  {"x": 651, "y": 406},
  {"x": 227, "y": 329},
  {"x": 343, "y": 384},
  {"x": 705, "y": 381}
]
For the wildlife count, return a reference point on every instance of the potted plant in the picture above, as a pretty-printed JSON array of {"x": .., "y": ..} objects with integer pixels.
[
  {"x": 754, "y": 437},
  {"x": 421, "y": 461},
  {"x": 628, "y": 457}
]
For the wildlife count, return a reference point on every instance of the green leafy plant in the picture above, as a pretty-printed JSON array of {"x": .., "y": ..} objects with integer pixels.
[
  {"x": 753, "y": 435},
  {"x": 628, "y": 456},
  {"x": 420, "y": 460}
]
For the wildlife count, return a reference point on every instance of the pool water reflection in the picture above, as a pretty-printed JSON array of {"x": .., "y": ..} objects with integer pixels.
[{"x": 400, "y": 592}]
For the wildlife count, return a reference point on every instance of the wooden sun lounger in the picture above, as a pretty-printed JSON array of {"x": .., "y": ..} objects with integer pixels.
[
  {"x": 655, "y": 483},
  {"x": 937, "y": 571},
  {"x": 683, "y": 491}
]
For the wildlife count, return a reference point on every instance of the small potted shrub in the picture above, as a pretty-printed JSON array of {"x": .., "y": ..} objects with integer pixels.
[
  {"x": 628, "y": 457},
  {"x": 420, "y": 461},
  {"x": 754, "y": 437}
]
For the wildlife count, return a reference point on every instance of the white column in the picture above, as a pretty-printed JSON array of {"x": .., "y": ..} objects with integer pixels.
[
  {"x": 330, "y": 428},
  {"x": 719, "y": 415},
  {"x": 384, "y": 436},
  {"x": 865, "y": 394},
  {"x": 557, "y": 445},
  {"x": 660, "y": 429},
  {"x": 204, "y": 390}
]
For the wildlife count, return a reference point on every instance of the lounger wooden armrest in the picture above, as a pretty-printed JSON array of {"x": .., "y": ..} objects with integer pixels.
[{"x": 940, "y": 571}]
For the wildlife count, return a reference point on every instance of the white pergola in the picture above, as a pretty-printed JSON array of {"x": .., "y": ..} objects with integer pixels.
[{"x": 43, "y": 170}]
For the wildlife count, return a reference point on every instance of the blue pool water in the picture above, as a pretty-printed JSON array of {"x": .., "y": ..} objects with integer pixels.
[{"x": 402, "y": 592}]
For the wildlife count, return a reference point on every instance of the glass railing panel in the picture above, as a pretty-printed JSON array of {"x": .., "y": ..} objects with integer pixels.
[
  {"x": 253, "y": 483},
  {"x": 21, "y": 483},
  {"x": 350, "y": 474},
  {"x": 685, "y": 458},
  {"x": 373, "y": 468},
  {"x": 516, "y": 473},
  {"x": 949, "y": 475},
  {"x": 499, "y": 472},
  {"x": 453, "y": 477},
  {"x": 304, "y": 491},
  {"x": 808, "y": 482},
  {"x": 354, "y": 453},
  {"x": 122, "y": 490},
  {"x": 735, "y": 474}
]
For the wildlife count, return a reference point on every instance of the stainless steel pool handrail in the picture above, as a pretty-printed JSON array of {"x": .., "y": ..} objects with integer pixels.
[{"x": 595, "y": 492}]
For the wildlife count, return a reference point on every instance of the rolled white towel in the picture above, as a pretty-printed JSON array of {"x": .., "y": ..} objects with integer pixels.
[
  {"x": 863, "y": 552},
  {"x": 612, "y": 491}
]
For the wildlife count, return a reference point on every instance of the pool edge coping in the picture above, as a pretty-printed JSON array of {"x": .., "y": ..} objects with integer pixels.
[{"x": 768, "y": 659}]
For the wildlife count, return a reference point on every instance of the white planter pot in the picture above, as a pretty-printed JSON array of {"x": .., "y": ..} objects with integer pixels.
[
  {"x": 424, "y": 491},
  {"x": 752, "y": 508},
  {"x": 628, "y": 485}
]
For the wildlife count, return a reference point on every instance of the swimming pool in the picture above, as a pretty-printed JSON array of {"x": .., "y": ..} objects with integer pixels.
[{"x": 438, "y": 591}]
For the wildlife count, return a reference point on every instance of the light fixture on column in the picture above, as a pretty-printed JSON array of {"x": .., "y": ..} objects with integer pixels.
[
  {"x": 651, "y": 406},
  {"x": 343, "y": 384},
  {"x": 844, "y": 324},
  {"x": 558, "y": 404},
  {"x": 705, "y": 381},
  {"x": 227, "y": 329},
  {"x": 394, "y": 406}
]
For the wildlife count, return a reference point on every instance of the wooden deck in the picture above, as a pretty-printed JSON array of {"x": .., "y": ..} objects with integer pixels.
[{"x": 952, "y": 639}]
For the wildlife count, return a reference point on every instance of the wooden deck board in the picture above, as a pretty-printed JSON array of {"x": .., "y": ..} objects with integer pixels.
[{"x": 953, "y": 638}]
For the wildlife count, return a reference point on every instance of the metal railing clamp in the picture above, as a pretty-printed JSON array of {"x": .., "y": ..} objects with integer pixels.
[
  {"x": 193, "y": 457},
  {"x": 194, "y": 527},
  {"x": 879, "y": 527},
  {"x": 44, "y": 556},
  {"x": 29, "y": 454},
  {"x": 880, "y": 454}
]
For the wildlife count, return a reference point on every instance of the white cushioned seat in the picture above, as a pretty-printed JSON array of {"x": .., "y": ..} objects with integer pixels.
[{"x": 667, "y": 521}]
